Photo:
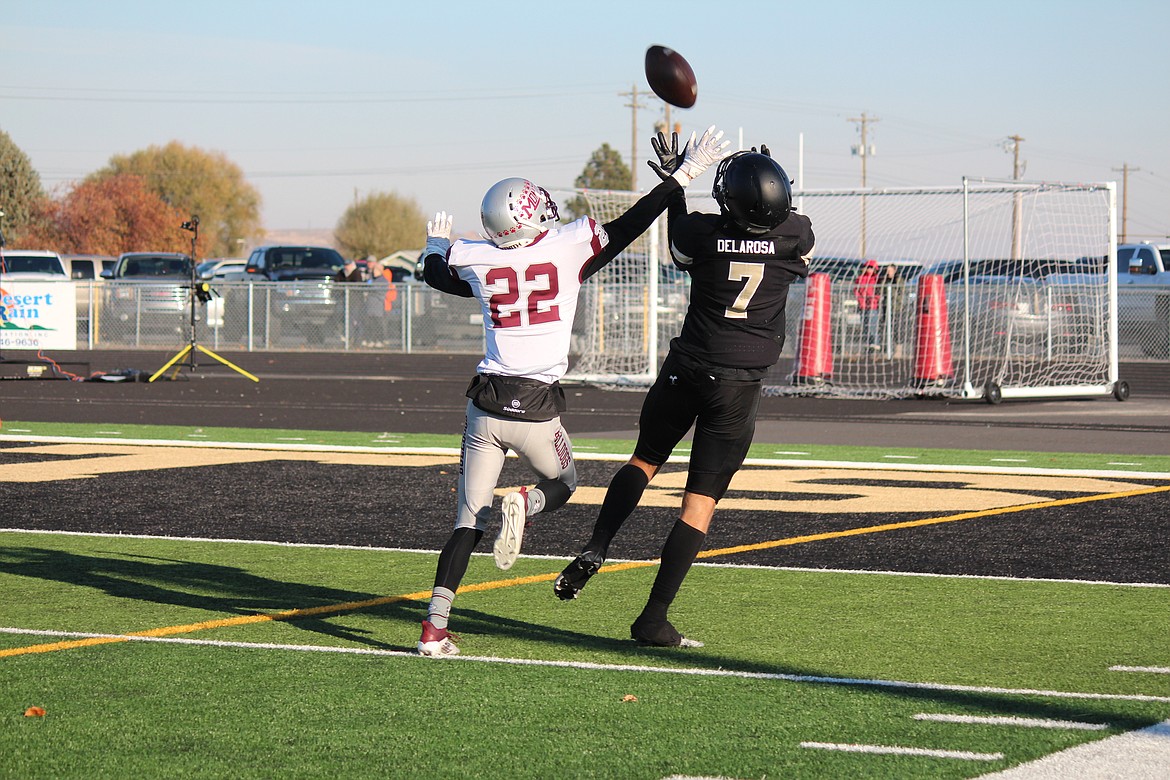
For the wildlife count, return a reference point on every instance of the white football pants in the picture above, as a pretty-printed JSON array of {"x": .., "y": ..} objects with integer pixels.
[{"x": 543, "y": 447}]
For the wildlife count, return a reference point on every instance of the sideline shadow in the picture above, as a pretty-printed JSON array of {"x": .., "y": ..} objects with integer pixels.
[
  {"x": 474, "y": 622},
  {"x": 225, "y": 589},
  {"x": 210, "y": 587}
]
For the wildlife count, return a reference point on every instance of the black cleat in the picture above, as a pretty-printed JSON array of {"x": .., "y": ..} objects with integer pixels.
[
  {"x": 569, "y": 582},
  {"x": 659, "y": 634}
]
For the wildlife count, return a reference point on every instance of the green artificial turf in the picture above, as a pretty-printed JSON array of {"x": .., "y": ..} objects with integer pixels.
[{"x": 607, "y": 709}]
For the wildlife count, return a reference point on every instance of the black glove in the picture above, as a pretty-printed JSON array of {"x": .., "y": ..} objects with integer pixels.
[
  {"x": 668, "y": 159},
  {"x": 763, "y": 150}
]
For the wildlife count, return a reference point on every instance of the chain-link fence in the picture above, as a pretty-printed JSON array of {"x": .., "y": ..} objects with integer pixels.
[
  {"x": 257, "y": 316},
  {"x": 1143, "y": 322},
  {"x": 411, "y": 317}
]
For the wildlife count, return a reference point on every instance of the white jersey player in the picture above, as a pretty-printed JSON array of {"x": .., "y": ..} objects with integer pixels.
[{"x": 526, "y": 277}]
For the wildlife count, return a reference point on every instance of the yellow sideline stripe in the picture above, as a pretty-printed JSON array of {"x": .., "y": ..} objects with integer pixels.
[
  {"x": 928, "y": 521},
  {"x": 295, "y": 614},
  {"x": 239, "y": 620}
]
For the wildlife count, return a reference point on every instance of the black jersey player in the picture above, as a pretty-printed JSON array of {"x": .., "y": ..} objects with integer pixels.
[{"x": 741, "y": 262}]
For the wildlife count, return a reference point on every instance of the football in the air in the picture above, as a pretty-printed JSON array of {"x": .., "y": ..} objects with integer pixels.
[{"x": 671, "y": 77}]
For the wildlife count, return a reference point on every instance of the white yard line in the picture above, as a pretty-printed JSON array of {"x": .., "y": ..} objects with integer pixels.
[
  {"x": 896, "y": 750},
  {"x": 1146, "y": 669},
  {"x": 563, "y": 558},
  {"x": 996, "y": 720},
  {"x": 591, "y": 666}
]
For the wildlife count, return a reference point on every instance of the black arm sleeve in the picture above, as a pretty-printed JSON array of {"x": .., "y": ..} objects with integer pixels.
[
  {"x": 437, "y": 274},
  {"x": 634, "y": 222}
]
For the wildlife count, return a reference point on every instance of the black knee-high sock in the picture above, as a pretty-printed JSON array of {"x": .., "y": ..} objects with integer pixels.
[
  {"x": 455, "y": 556},
  {"x": 556, "y": 494},
  {"x": 621, "y": 499},
  {"x": 682, "y": 545}
]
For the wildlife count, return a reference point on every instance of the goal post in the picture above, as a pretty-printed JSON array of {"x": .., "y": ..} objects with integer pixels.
[
  {"x": 1025, "y": 303},
  {"x": 616, "y": 334}
]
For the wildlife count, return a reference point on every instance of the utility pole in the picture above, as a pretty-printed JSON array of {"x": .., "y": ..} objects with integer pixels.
[
  {"x": 1013, "y": 142},
  {"x": 633, "y": 105},
  {"x": 864, "y": 150},
  {"x": 1125, "y": 169},
  {"x": 666, "y": 127}
]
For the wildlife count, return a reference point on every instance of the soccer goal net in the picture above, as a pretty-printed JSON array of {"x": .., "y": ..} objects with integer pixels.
[{"x": 989, "y": 289}]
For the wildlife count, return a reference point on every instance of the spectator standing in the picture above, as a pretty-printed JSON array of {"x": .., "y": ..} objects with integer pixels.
[
  {"x": 869, "y": 301},
  {"x": 349, "y": 272},
  {"x": 378, "y": 303},
  {"x": 892, "y": 292}
]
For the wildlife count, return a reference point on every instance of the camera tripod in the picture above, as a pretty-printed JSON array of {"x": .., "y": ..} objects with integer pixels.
[{"x": 198, "y": 292}]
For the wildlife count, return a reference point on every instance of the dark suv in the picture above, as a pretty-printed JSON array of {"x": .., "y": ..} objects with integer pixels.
[{"x": 306, "y": 298}]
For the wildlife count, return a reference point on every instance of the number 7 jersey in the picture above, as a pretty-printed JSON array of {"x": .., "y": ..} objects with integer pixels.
[
  {"x": 739, "y": 286},
  {"x": 529, "y": 297}
]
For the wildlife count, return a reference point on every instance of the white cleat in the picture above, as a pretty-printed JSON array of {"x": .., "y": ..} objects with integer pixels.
[
  {"x": 436, "y": 641},
  {"x": 507, "y": 547}
]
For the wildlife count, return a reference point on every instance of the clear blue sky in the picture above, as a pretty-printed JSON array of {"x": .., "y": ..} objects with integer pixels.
[{"x": 319, "y": 102}]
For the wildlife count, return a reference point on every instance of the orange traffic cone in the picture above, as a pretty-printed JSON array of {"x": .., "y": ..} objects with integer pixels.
[
  {"x": 814, "y": 357},
  {"x": 932, "y": 359}
]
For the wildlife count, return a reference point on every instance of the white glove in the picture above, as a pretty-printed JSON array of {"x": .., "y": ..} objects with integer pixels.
[
  {"x": 440, "y": 227},
  {"x": 439, "y": 234},
  {"x": 700, "y": 155}
]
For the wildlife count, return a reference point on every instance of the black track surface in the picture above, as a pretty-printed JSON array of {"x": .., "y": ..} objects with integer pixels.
[{"x": 1119, "y": 539}]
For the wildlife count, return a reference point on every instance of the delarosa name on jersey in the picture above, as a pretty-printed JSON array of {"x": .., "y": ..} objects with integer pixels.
[{"x": 741, "y": 246}]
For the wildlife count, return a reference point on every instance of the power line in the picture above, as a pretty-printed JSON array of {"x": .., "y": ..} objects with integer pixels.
[
  {"x": 296, "y": 99},
  {"x": 405, "y": 170}
]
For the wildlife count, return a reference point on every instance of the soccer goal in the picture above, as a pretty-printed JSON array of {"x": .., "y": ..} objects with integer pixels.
[
  {"x": 990, "y": 289},
  {"x": 629, "y": 305}
]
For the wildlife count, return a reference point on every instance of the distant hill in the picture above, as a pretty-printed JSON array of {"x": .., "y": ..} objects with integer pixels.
[{"x": 323, "y": 237}]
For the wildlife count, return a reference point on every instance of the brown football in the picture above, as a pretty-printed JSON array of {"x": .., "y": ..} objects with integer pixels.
[{"x": 671, "y": 77}]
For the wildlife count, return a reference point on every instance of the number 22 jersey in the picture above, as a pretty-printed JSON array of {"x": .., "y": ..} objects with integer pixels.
[{"x": 529, "y": 297}]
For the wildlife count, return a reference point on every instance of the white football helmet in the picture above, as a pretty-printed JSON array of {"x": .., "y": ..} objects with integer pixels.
[{"x": 515, "y": 211}]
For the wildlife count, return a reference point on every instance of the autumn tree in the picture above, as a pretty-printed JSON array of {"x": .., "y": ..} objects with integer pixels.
[
  {"x": 112, "y": 215},
  {"x": 22, "y": 199},
  {"x": 197, "y": 182},
  {"x": 606, "y": 170},
  {"x": 380, "y": 224}
]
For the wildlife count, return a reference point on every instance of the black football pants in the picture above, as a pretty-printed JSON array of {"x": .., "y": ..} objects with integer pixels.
[{"x": 722, "y": 411}]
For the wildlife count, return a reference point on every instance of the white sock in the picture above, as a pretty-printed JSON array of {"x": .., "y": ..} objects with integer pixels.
[
  {"x": 535, "y": 501},
  {"x": 439, "y": 611}
]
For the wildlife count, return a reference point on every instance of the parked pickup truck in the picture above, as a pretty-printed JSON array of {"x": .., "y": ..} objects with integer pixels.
[
  {"x": 32, "y": 265},
  {"x": 1143, "y": 296},
  {"x": 305, "y": 300},
  {"x": 150, "y": 292}
]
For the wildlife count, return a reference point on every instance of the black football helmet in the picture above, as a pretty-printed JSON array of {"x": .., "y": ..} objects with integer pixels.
[{"x": 753, "y": 191}]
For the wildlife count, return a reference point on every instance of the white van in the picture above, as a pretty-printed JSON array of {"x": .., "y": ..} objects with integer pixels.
[{"x": 86, "y": 267}]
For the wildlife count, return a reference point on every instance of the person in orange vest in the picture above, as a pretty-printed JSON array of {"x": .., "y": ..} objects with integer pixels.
[
  {"x": 379, "y": 302},
  {"x": 869, "y": 302},
  {"x": 391, "y": 291}
]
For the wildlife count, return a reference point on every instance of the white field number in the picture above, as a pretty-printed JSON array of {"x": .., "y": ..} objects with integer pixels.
[{"x": 750, "y": 273}]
